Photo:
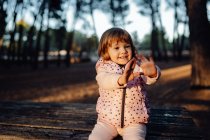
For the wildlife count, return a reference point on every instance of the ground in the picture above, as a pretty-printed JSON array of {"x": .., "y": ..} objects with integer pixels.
[{"x": 77, "y": 84}]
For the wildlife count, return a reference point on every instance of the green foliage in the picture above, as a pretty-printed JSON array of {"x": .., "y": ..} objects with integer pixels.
[
  {"x": 84, "y": 43},
  {"x": 146, "y": 42},
  {"x": 135, "y": 38},
  {"x": 117, "y": 10},
  {"x": 147, "y": 7}
]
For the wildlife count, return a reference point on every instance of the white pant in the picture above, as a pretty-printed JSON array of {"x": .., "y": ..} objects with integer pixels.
[{"x": 103, "y": 131}]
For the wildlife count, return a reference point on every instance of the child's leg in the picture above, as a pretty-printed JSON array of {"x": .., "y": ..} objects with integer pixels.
[
  {"x": 103, "y": 131},
  {"x": 134, "y": 132}
]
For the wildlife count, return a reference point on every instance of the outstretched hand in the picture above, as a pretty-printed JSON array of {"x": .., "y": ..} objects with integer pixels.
[
  {"x": 147, "y": 65},
  {"x": 128, "y": 74}
]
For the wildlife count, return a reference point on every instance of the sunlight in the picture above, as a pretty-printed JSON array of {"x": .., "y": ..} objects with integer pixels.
[
  {"x": 196, "y": 107},
  {"x": 176, "y": 73}
]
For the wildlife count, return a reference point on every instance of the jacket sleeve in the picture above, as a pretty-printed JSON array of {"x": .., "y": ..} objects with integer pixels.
[
  {"x": 106, "y": 79},
  {"x": 148, "y": 80}
]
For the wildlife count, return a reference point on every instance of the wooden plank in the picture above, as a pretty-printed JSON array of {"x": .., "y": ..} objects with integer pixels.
[
  {"x": 170, "y": 112},
  {"x": 81, "y": 121},
  {"x": 171, "y": 120},
  {"x": 154, "y": 129},
  {"x": 173, "y": 130},
  {"x": 75, "y": 121},
  {"x": 34, "y": 133},
  {"x": 41, "y": 133},
  {"x": 72, "y": 113}
]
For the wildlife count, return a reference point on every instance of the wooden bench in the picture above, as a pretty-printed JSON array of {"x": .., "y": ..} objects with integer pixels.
[{"x": 28, "y": 120}]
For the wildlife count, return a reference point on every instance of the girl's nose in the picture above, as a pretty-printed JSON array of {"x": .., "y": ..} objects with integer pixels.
[{"x": 123, "y": 50}]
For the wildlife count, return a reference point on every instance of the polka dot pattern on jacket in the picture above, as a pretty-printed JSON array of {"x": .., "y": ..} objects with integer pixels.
[{"x": 110, "y": 100}]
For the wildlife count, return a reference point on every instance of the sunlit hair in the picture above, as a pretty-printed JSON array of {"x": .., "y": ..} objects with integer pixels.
[{"x": 113, "y": 35}]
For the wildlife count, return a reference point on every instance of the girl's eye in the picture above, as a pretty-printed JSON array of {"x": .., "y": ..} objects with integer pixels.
[
  {"x": 116, "y": 48},
  {"x": 127, "y": 46}
]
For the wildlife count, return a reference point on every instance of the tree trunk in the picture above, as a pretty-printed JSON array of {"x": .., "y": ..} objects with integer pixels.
[
  {"x": 94, "y": 25},
  {"x": 35, "y": 52},
  {"x": 20, "y": 42},
  {"x": 46, "y": 46},
  {"x": 11, "y": 49},
  {"x": 156, "y": 54},
  {"x": 35, "y": 49},
  {"x": 69, "y": 47},
  {"x": 3, "y": 16},
  {"x": 113, "y": 13},
  {"x": 199, "y": 42},
  {"x": 162, "y": 34},
  {"x": 182, "y": 43}
]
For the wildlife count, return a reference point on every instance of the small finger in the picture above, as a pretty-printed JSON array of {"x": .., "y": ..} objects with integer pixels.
[
  {"x": 143, "y": 58},
  {"x": 151, "y": 59},
  {"x": 137, "y": 74},
  {"x": 133, "y": 64},
  {"x": 129, "y": 65}
]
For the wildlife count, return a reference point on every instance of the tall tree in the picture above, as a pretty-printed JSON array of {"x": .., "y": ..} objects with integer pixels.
[
  {"x": 46, "y": 34},
  {"x": 20, "y": 32},
  {"x": 61, "y": 30},
  {"x": 3, "y": 16},
  {"x": 180, "y": 17},
  {"x": 78, "y": 14},
  {"x": 150, "y": 8},
  {"x": 51, "y": 8},
  {"x": 11, "y": 49},
  {"x": 199, "y": 42},
  {"x": 118, "y": 10},
  {"x": 93, "y": 4},
  {"x": 162, "y": 35},
  {"x": 32, "y": 50}
]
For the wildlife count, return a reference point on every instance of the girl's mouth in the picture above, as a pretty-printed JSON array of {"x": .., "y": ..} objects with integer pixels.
[{"x": 123, "y": 57}]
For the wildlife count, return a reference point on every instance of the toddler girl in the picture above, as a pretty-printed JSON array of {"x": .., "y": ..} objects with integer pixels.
[{"x": 121, "y": 76}]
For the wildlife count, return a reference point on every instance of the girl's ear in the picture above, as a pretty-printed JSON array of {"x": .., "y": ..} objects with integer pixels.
[{"x": 106, "y": 56}]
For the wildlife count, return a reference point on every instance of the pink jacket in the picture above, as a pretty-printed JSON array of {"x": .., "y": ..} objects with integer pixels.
[{"x": 110, "y": 101}]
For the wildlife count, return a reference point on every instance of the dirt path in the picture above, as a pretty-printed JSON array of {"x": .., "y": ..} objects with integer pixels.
[{"x": 173, "y": 89}]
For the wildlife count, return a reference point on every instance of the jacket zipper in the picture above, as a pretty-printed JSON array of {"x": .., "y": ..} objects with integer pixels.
[{"x": 123, "y": 107}]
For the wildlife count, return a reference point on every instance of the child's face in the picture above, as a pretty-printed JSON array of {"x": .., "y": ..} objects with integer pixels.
[{"x": 120, "y": 52}]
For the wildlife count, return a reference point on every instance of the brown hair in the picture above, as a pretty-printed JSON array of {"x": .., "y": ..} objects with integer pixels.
[{"x": 111, "y": 35}]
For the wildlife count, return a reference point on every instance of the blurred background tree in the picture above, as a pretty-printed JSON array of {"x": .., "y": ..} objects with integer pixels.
[
  {"x": 150, "y": 8},
  {"x": 199, "y": 43},
  {"x": 51, "y": 38},
  {"x": 180, "y": 17}
]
